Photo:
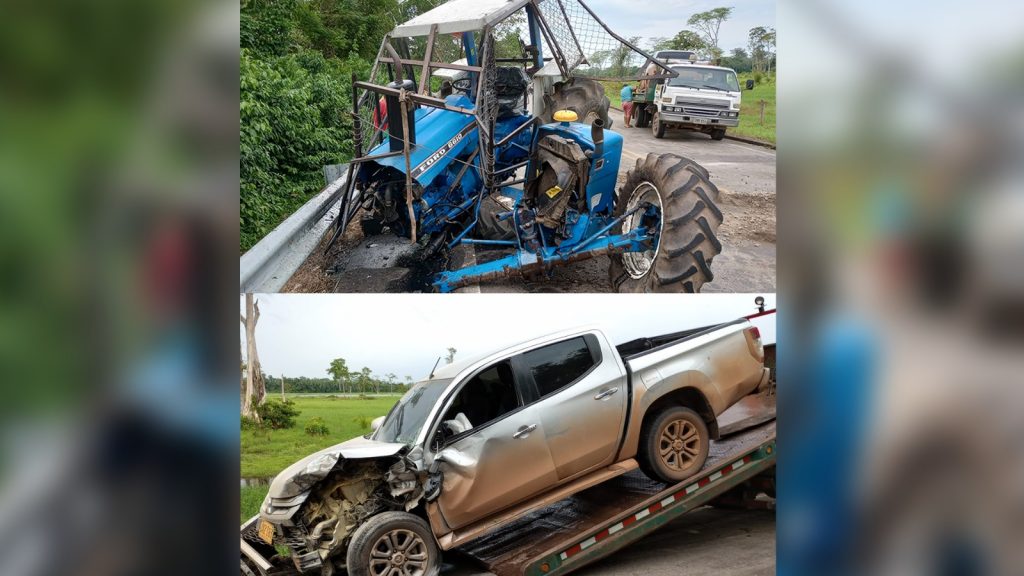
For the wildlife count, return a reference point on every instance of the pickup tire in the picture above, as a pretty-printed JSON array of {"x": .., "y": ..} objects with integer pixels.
[
  {"x": 674, "y": 445},
  {"x": 681, "y": 260},
  {"x": 718, "y": 134},
  {"x": 393, "y": 541}
]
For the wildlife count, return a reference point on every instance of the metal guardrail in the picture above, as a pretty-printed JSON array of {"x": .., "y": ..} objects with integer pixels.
[{"x": 268, "y": 265}]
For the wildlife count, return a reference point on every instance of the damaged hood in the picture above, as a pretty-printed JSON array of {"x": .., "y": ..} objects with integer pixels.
[{"x": 302, "y": 475}]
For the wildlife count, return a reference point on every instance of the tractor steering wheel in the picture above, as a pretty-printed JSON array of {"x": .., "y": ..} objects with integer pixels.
[{"x": 464, "y": 84}]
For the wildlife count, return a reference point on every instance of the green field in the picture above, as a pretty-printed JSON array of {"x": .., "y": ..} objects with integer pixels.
[
  {"x": 750, "y": 111},
  {"x": 265, "y": 453},
  {"x": 252, "y": 497}
]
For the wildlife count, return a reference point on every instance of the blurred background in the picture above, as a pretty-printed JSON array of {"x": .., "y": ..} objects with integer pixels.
[
  {"x": 901, "y": 283},
  {"x": 901, "y": 259}
]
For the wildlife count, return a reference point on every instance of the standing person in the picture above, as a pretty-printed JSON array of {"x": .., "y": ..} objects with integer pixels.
[{"x": 627, "y": 102}]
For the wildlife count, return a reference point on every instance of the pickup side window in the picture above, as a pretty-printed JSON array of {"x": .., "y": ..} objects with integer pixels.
[
  {"x": 487, "y": 397},
  {"x": 562, "y": 364}
]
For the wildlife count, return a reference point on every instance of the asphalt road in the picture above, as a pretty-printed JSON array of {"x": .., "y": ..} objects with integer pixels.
[{"x": 745, "y": 176}]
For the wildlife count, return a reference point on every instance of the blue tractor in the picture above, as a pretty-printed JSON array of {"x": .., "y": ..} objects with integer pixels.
[{"x": 482, "y": 125}]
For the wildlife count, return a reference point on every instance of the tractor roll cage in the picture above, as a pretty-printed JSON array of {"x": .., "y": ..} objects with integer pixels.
[{"x": 440, "y": 21}]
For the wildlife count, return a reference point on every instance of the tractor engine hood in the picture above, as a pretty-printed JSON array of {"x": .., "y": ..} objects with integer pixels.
[
  {"x": 441, "y": 135},
  {"x": 296, "y": 480}
]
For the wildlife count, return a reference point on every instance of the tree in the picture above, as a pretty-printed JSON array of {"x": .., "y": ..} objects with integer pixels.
[
  {"x": 761, "y": 41},
  {"x": 738, "y": 60},
  {"x": 448, "y": 359},
  {"x": 687, "y": 40},
  {"x": 255, "y": 386},
  {"x": 364, "y": 380},
  {"x": 339, "y": 371},
  {"x": 621, "y": 56},
  {"x": 659, "y": 43},
  {"x": 598, "y": 59},
  {"x": 708, "y": 24}
]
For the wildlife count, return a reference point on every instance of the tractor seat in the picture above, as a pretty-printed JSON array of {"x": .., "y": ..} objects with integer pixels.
[{"x": 511, "y": 85}]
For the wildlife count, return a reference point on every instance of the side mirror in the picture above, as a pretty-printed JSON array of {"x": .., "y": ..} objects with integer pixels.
[
  {"x": 750, "y": 83},
  {"x": 376, "y": 423}
]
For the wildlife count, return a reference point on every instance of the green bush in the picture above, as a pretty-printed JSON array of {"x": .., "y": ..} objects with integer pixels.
[
  {"x": 363, "y": 422},
  {"x": 249, "y": 423},
  {"x": 317, "y": 427},
  {"x": 277, "y": 414}
]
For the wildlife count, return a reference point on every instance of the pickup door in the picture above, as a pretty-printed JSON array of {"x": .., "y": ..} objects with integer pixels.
[
  {"x": 563, "y": 417},
  {"x": 580, "y": 394}
]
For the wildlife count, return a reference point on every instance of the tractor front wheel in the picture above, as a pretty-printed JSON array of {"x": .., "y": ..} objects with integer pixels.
[{"x": 679, "y": 259}]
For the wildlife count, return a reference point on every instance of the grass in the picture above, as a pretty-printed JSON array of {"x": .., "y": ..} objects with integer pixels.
[
  {"x": 265, "y": 453},
  {"x": 750, "y": 111},
  {"x": 252, "y": 497}
]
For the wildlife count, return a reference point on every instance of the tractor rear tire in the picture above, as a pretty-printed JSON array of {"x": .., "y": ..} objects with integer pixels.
[
  {"x": 583, "y": 96},
  {"x": 690, "y": 217}
]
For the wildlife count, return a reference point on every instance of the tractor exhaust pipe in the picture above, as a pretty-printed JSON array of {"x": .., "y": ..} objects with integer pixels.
[
  {"x": 597, "y": 135},
  {"x": 394, "y": 109}
]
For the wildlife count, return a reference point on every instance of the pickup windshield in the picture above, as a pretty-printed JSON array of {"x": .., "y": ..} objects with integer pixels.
[
  {"x": 705, "y": 78},
  {"x": 408, "y": 415}
]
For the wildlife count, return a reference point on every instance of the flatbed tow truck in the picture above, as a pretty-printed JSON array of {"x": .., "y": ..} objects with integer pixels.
[{"x": 595, "y": 523}]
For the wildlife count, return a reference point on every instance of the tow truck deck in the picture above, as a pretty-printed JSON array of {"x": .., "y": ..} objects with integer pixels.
[{"x": 596, "y": 522}]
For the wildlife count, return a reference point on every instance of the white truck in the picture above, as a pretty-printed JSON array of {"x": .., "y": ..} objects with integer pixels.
[{"x": 702, "y": 97}]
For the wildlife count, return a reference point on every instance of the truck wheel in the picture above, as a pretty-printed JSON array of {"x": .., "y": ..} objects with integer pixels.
[
  {"x": 680, "y": 260},
  {"x": 393, "y": 542},
  {"x": 718, "y": 134},
  {"x": 674, "y": 445},
  {"x": 583, "y": 96},
  {"x": 657, "y": 128}
]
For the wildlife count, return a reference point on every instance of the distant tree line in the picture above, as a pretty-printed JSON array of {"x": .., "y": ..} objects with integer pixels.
[{"x": 357, "y": 385}]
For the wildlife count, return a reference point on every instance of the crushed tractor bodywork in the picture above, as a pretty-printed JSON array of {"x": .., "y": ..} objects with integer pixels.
[{"x": 480, "y": 162}]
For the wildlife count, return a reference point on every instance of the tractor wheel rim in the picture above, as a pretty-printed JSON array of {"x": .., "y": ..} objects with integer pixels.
[
  {"x": 399, "y": 552},
  {"x": 678, "y": 444},
  {"x": 639, "y": 264}
]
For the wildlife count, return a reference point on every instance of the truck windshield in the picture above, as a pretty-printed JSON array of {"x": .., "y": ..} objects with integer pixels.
[
  {"x": 705, "y": 78},
  {"x": 408, "y": 416}
]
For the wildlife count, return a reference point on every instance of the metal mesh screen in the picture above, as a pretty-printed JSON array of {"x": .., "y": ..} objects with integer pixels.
[{"x": 590, "y": 49}]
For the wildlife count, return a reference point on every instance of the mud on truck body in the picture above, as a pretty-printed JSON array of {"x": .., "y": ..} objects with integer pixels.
[
  {"x": 512, "y": 152},
  {"x": 485, "y": 441}
]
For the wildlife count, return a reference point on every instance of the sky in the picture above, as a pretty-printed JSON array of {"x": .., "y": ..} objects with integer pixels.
[
  {"x": 667, "y": 17},
  {"x": 299, "y": 334}
]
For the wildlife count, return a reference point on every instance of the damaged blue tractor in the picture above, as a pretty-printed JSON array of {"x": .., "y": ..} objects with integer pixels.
[{"x": 482, "y": 125}]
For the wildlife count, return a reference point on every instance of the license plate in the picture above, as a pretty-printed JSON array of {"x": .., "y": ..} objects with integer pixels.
[
  {"x": 266, "y": 531},
  {"x": 699, "y": 120}
]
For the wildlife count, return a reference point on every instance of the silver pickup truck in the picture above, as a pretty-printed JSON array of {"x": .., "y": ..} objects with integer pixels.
[{"x": 484, "y": 441}]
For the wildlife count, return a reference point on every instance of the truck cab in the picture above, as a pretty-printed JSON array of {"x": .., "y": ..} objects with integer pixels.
[{"x": 702, "y": 97}]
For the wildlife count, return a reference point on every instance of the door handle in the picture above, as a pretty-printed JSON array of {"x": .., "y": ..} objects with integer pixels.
[
  {"x": 524, "y": 431},
  {"x": 605, "y": 393}
]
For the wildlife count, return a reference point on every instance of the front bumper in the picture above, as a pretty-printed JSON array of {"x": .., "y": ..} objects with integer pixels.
[{"x": 698, "y": 121}]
